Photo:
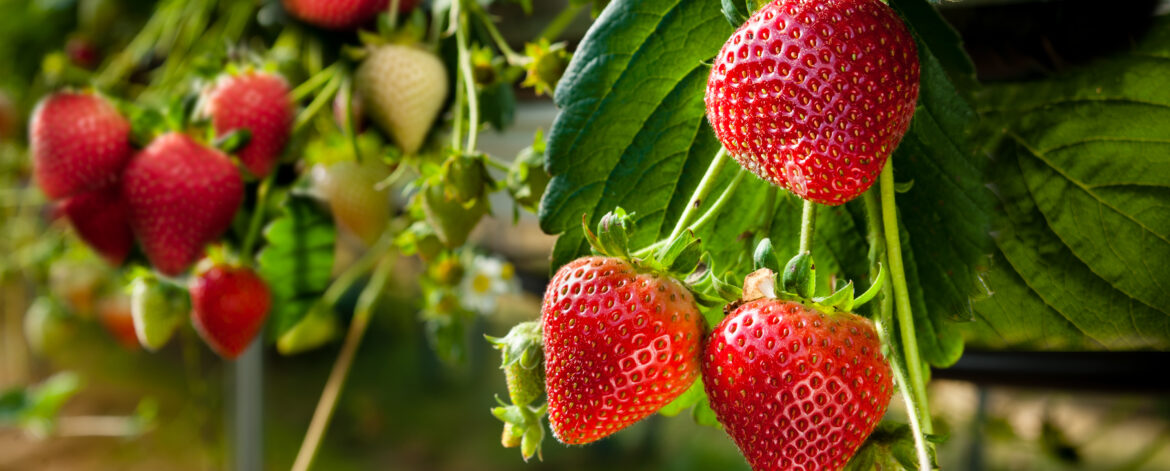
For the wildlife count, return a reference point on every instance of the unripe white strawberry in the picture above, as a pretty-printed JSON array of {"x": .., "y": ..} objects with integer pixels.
[{"x": 403, "y": 89}]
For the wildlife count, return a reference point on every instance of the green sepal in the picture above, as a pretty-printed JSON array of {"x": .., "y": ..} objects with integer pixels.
[
  {"x": 798, "y": 276},
  {"x": 765, "y": 256},
  {"x": 421, "y": 239},
  {"x": 523, "y": 421},
  {"x": 612, "y": 238},
  {"x": 233, "y": 141},
  {"x": 145, "y": 125},
  {"x": 873, "y": 288},
  {"x": 465, "y": 178},
  {"x": 736, "y": 11},
  {"x": 711, "y": 289},
  {"x": 841, "y": 300},
  {"x": 684, "y": 401},
  {"x": 317, "y": 328},
  {"x": 524, "y": 344},
  {"x": 904, "y": 187},
  {"x": 681, "y": 256},
  {"x": 180, "y": 110}
]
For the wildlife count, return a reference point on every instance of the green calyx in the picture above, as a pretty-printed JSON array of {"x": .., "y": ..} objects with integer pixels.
[
  {"x": 797, "y": 282},
  {"x": 523, "y": 426},
  {"x": 678, "y": 258},
  {"x": 523, "y": 361}
]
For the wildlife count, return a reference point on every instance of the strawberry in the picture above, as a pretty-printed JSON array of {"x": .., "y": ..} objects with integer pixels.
[
  {"x": 618, "y": 345},
  {"x": 521, "y": 362},
  {"x": 794, "y": 387},
  {"x": 79, "y": 142},
  {"x": 259, "y": 102},
  {"x": 114, "y": 314},
  {"x": 182, "y": 195},
  {"x": 814, "y": 95},
  {"x": 403, "y": 89},
  {"x": 228, "y": 307},
  {"x": 341, "y": 14},
  {"x": 156, "y": 309},
  {"x": 101, "y": 219},
  {"x": 357, "y": 205}
]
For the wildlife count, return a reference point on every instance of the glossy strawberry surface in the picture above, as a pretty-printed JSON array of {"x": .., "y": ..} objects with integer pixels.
[
  {"x": 182, "y": 195},
  {"x": 814, "y": 95},
  {"x": 78, "y": 142},
  {"x": 795, "y": 388},
  {"x": 618, "y": 346},
  {"x": 341, "y": 14},
  {"x": 259, "y": 102},
  {"x": 228, "y": 307},
  {"x": 102, "y": 220}
]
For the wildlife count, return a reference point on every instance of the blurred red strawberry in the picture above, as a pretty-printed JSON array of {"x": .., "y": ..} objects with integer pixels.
[
  {"x": 182, "y": 195},
  {"x": 101, "y": 219},
  {"x": 228, "y": 307},
  {"x": 259, "y": 102},
  {"x": 114, "y": 315},
  {"x": 341, "y": 14},
  {"x": 79, "y": 142}
]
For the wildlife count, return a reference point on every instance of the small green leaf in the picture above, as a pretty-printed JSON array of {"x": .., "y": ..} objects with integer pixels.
[
  {"x": 841, "y": 300},
  {"x": 681, "y": 256},
  {"x": 686, "y": 400},
  {"x": 233, "y": 141},
  {"x": 297, "y": 260},
  {"x": 798, "y": 276}
]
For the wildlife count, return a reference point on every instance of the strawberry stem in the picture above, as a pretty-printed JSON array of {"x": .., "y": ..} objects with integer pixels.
[
  {"x": 705, "y": 186},
  {"x": 562, "y": 21},
  {"x": 319, "y": 101},
  {"x": 466, "y": 76},
  {"x": 353, "y": 339},
  {"x": 884, "y": 321},
  {"x": 313, "y": 83},
  {"x": 257, "y": 217},
  {"x": 807, "y": 222},
  {"x": 901, "y": 292},
  {"x": 510, "y": 55}
]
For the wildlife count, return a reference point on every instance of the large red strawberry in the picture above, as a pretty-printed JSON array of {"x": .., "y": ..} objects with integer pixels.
[
  {"x": 814, "y": 95},
  {"x": 341, "y": 14},
  {"x": 796, "y": 388},
  {"x": 228, "y": 307},
  {"x": 79, "y": 142},
  {"x": 182, "y": 195},
  {"x": 101, "y": 219},
  {"x": 259, "y": 102},
  {"x": 618, "y": 346}
]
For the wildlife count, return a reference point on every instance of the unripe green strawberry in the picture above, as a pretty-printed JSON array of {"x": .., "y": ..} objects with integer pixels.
[
  {"x": 356, "y": 203},
  {"x": 451, "y": 220},
  {"x": 814, "y": 95},
  {"x": 46, "y": 326},
  {"x": 403, "y": 89},
  {"x": 523, "y": 362},
  {"x": 317, "y": 328},
  {"x": 157, "y": 311}
]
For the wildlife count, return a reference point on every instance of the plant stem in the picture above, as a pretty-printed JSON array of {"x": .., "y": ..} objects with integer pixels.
[
  {"x": 808, "y": 218},
  {"x": 313, "y": 83},
  {"x": 707, "y": 216},
  {"x": 509, "y": 54},
  {"x": 457, "y": 126},
  {"x": 562, "y": 21},
  {"x": 468, "y": 79},
  {"x": 318, "y": 102},
  {"x": 333, "y": 386},
  {"x": 358, "y": 269},
  {"x": 901, "y": 293},
  {"x": 257, "y": 217},
  {"x": 705, "y": 186},
  {"x": 393, "y": 13},
  {"x": 885, "y": 320}
]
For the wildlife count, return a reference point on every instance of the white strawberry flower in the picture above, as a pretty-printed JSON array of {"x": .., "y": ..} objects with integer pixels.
[{"x": 486, "y": 279}]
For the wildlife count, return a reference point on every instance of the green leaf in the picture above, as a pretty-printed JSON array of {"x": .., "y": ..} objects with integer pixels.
[
  {"x": 632, "y": 133},
  {"x": 1083, "y": 175},
  {"x": 297, "y": 260},
  {"x": 686, "y": 400}
]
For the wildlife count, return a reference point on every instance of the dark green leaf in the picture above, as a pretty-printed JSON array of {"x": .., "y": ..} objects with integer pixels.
[
  {"x": 1083, "y": 176},
  {"x": 297, "y": 260}
]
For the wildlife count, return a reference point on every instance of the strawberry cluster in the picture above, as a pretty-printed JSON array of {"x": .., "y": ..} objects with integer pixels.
[{"x": 174, "y": 196}]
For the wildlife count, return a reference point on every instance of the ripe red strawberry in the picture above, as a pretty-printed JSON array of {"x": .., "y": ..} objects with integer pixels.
[
  {"x": 814, "y": 95},
  {"x": 114, "y": 315},
  {"x": 618, "y": 346},
  {"x": 797, "y": 389},
  {"x": 259, "y": 102},
  {"x": 341, "y": 14},
  {"x": 182, "y": 195},
  {"x": 79, "y": 142},
  {"x": 228, "y": 307},
  {"x": 101, "y": 219}
]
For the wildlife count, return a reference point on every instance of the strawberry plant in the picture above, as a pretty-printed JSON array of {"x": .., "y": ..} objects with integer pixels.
[{"x": 722, "y": 179}]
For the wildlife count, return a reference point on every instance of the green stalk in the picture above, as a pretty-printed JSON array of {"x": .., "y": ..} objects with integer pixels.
[
  {"x": 808, "y": 218},
  {"x": 457, "y": 126},
  {"x": 257, "y": 217},
  {"x": 705, "y": 186},
  {"x": 313, "y": 83},
  {"x": 509, "y": 54},
  {"x": 707, "y": 216},
  {"x": 562, "y": 21},
  {"x": 902, "y": 293},
  {"x": 323, "y": 414},
  {"x": 885, "y": 320},
  {"x": 318, "y": 102},
  {"x": 466, "y": 76}
]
